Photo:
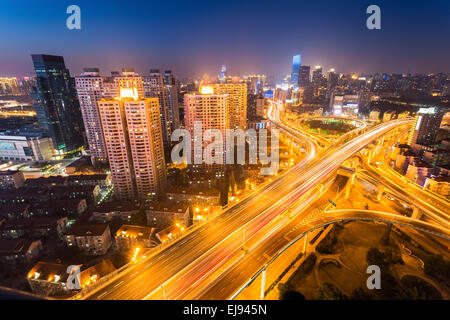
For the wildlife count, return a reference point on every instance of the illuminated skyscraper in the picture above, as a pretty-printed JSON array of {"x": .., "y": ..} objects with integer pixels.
[
  {"x": 211, "y": 110},
  {"x": 237, "y": 109},
  {"x": 56, "y": 102},
  {"x": 154, "y": 87},
  {"x": 133, "y": 136},
  {"x": 91, "y": 88},
  {"x": 296, "y": 63},
  {"x": 171, "y": 83},
  {"x": 426, "y": 125},
  {"x": 304, "y": 76}
]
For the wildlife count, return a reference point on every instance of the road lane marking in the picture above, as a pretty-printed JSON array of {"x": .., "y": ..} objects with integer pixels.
[{"x": 118, "y": 284}]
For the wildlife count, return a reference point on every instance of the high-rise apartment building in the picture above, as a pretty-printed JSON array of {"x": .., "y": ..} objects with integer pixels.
[
  {"x": 56, "y": 103},
  {"x": 154, "y": 87},
  {"x": 90, "y": 86},
  {"x": 426, "y": 125},
  {"x": 133, "y": 136},
  {"x": 211, "y": 110},
  {"x": 237, "y": 109},
  {"x": 172, "y": 86}
]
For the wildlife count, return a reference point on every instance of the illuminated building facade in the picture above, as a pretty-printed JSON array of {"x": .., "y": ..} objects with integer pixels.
[
  {"x": 237, "y": 103},
  {"x": 296, "y": 63},
  {"x": 56, "y": 102},
  {"x": 211, "y": 110},
  {"x": 133, "y": 136},
  {"x": 426, "y": 125}
]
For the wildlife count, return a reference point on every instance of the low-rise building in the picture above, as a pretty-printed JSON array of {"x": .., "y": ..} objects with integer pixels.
[
  {"x": 23, "y": 195},
  {"x": 388, "y": 116},
  {"x": 39, "y": 227},
  {"x": 19, "y": 250},
  {"x": 26, "y": 148},
  {"x": 102, "y": 180},
  {"x": 194, "y": 196},
  {"x": 14, "y": 210},
  {"x": 50, "y": 279},
  {"x": 119, "y": 209},
  {"x": 91, "y": 239},
  {"x": 90, "y": 193},
  {"x": 129, "y": 237},
  {"x": 439, "y": 185},
  {"x": 404, "y": 159},
  {"x": 11, "y": 179},
  {"x": 163, "y": 214},
  {"x": 418, "y": 171},
  {"x": 69, "y": 207}
]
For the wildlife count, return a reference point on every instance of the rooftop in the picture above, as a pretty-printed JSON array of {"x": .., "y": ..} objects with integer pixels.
[
  {"x": 14, "y": 246},
  {"x": 118, "y": 205},
  {"x": 194, "y": 191},
  {"x": 138, "y": 232},
  {"x": 49, "y": 271},
  {"x": 167, "y": 206},
  {"x": 88, "y": 229}
]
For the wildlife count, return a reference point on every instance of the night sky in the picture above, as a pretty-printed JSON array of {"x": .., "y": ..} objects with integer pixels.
[{"x": 194, "y": 37}]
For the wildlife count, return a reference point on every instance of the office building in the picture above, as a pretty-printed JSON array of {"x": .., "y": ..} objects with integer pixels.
[
  {"x": 26, "y": 147},
  {"x": 56, "y": 103},
  {"x": 172, "y": 86},
  {"x": 132, "y": 130},
  {"x": 426, "y": 125},
  {"x": 304, "y": 76},
  {"x": 296, "y": 63}
]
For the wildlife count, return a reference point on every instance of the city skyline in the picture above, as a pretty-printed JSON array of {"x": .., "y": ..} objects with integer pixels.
[
  {"x": 206, "y": 35},
  {"x": 193, "y": 151}
]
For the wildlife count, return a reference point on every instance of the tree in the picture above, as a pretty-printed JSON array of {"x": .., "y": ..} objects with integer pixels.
[
  {"x": 328, "y": 291},
  {"x": 292, "y": 295},
  {"x": 361, "y": 294},
  {"x": 376, "y": 257},
  {"x": 436, "y": 266}
]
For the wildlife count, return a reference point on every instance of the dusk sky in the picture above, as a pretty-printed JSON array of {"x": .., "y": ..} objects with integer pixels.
[{"x": 194, "y": 37}]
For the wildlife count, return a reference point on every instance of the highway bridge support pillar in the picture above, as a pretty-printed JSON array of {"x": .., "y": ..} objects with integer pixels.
[
  {"x": 305, "y": 244},
  {"x": 416, "y": 214},
  {"x": 263, "y": 283},
  {"x": 380, "y": 192}
]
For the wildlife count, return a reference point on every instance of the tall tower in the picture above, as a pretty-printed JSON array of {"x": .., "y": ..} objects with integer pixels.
[
  {"x": 90, "y": 90},
  {"x": 154, "y": 87},
  {"x": 133, "y": 136},
  {"x": 237, "y": 104},
  {"x": 171, "y": 83},
  {"x": 296, "y": 63},
  {"x": 211, "y": 110},
  {"x": 304, "y": 76},
  {"x": 426, "y": 125},
  {"x": 57, "y": 106}
]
